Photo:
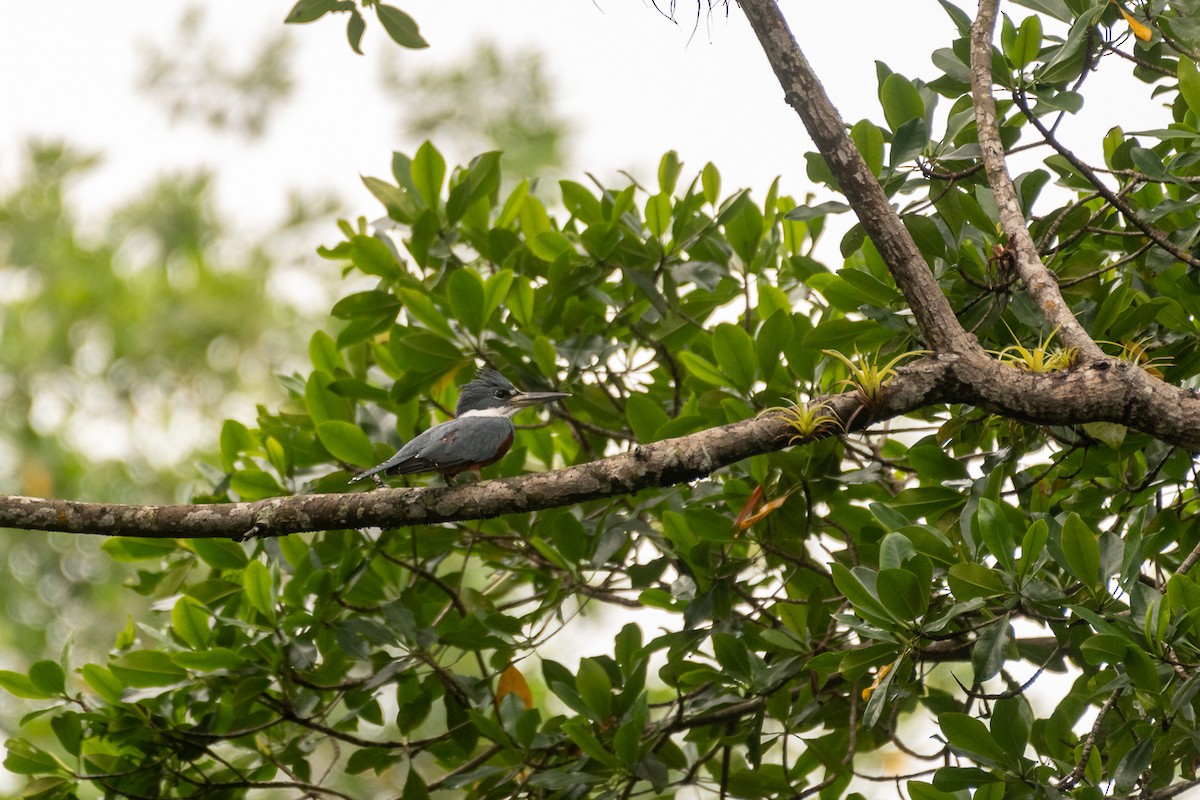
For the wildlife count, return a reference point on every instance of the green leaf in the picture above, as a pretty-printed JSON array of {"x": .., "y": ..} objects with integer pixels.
[
  {"x": 20, "y": 685},
  {"x": 370, "y": 304},
  {"x": 1027, "y": 43},
  {"x": 520, "y": 302},
  {"x": 260, "y": 589},
  {"x": 743, "y": 223},
  {"x": 346, "y": 442},
  {"x": 214, "y": 660},
  {"x": 428, "y": 166},
  {"x": 372, "y": 256},
  {"x": 658, "y": 213},
  {"x": 900, "y": 592},
  {"x": 323, "y": 354},
  {"x": 908, "y": 142},
  {"x": 807, "y": 213},
  {"x": 420, "y": 308},
  {"x": 401, "y": 27},
  {"x": 1189, "y": 83},
  {"x": 860, "y": 595},
  {"x": 550, "y": 245},
  {"x": 644, "y": 416},
  {"x": 1110, "y": 433},
  {"x": 1133, "y": 765},
  {"x": 1012, "y": 723},
  {"x": 733, "y": 656},
  {"x": 872, "y": 290},
  {"x": 869, "y": 141},
  {"x": 377, "y": 759},
  {"x": 883, "y": 696},
  {"x": 130, "y": 550},
  {"x": 930, "y": 461},
  {"x": 545, "y": 355},
  {"x": 734, "y": 350},
  {"x": 220, "y": 553},
  {"x": 703, "y": 369},
  {"x": 414, "y": 787},
  {"x": 1101, "y": 648},
  {"x": 1067, "y": 60},
  {"x": 482, "y": 181},
  {"x": 143, "y": 669},
  {"x": 895, "y": 549},
  {"x": 24, "y": 758},
  {"x": 627, "y": 742},
  {"x": 309, "y": 11},
  {"x": 710, "y": 183},
  {"x": 919, "y": 790},
  {"x": 356, "y": 26},
  {"x": 900, "y": 100},
  {"x": 189, "y": 620},
  {"x": 400, "y": 205},
  {"x": 582, "y": 204},
  {"x": 595, "y": 688},
  {"x": 771, "y": 340},
  {"x": 970, "y": 736},
  {"x": 513, "y": 205},
  {"x": 990, "y": 525},
  {"x": 1033, "y": 546},
  {"x": 428, "y": 352},
  {"x": 236, "y": 441},
  {"x": 991, "y": 649},
  {"x": 669, "y": 168},
  {"x": 1141, "y": 669},
  {"x": 579, "y": 732},
  {"x": 322, "y": 403},
  {"x": 927, "y": 501},
  {"x": 465, "y": 291},
  {"x": 968, "y": 581},
  {"x": 495, "y": 289},
  {"x": 103, "y": 682},
  {"x": 68, "y": 728},
  {"x": 1081, "y": 551}
]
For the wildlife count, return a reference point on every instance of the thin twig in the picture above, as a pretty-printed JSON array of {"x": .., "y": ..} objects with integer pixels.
[{"x": 1090, "y": 742}]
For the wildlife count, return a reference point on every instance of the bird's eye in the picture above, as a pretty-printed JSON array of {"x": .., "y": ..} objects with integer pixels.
[{"x": 501, "y": 394}]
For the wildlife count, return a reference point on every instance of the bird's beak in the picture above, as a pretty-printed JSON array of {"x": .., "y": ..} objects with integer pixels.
[{"x": 526, "y": 399}]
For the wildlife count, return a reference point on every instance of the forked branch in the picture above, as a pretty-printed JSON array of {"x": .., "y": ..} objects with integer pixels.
[{"x": 1039, "y": 282}]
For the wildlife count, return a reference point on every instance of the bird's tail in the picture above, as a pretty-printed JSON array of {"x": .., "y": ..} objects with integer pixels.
[{"x": 371, "y": 472}]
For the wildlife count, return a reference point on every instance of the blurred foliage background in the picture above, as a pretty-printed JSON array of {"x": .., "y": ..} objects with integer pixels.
[{"x": 126, "y": 332}]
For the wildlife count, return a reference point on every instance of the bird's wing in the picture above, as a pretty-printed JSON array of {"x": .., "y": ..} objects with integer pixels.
[{"x": 461, "y": 442}]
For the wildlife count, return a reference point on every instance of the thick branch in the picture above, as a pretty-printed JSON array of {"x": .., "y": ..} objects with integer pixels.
[
  {"x": 1106, "y": 390},
  {"x": 1038, "y": 280},
  {"x": 805, "y": 94},
  {"x": 664, "y": 463}
]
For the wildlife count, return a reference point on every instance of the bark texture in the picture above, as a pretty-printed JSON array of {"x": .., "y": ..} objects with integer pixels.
[{"x": 1104, "y": 391}]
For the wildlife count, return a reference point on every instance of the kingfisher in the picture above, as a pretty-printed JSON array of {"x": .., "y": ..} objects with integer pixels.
[{"x": 480, "y": 433}]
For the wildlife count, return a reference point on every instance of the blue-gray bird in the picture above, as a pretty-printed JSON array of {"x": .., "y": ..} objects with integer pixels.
[{"x": 480, "y": 433}]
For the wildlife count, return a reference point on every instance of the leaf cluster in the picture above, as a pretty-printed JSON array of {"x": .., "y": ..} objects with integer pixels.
[{"x": 935, "y": 571}]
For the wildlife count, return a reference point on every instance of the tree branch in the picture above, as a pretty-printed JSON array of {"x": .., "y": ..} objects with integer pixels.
[
  {"x": 1115, "y": 199},
  {"x": 1107, "y": 390},
  {"x": 1089, "y": 743},
  {"x": 1038, "y": 281},
  {"x": 804, "y": 92}
]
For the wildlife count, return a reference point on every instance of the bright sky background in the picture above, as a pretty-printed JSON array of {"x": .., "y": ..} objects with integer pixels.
[{"x": 633, "y": 83}]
